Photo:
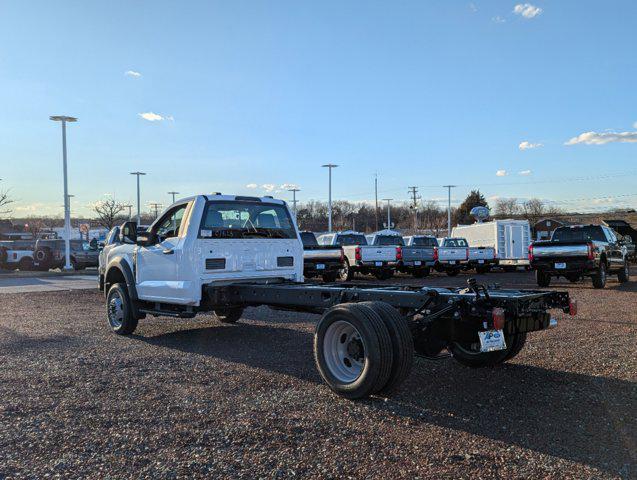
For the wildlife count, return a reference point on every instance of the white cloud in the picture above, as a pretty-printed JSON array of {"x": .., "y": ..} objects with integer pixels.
[
  {"x": 595, "y": 138},
  {"x": 501, "y": 173},
  {"x": 527, "y": 10},
  {"x": 268, "y": 187},
  {"x": 252, "y": 185},
  {"x": 528, "y": 145},
  {"x": 525, "y": 173},
  {"x": 155, "y": 117},
  {"x": 498, "y": 19},
  {"x": 635, "y": 125},
  {"x": 132, "y": 73}
]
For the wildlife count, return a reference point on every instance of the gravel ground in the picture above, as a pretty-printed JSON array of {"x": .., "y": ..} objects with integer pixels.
[{"x": 196, "y": 398}]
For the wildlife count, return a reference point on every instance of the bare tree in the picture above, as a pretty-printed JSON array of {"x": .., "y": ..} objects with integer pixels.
[
  {"x": 5, "y": 200},
  {"x": 506, "y": 207},
  {"x": 108, "y": 212},
  {"x": 35, "y": 226},
  {"x": 533, "y": 210}
]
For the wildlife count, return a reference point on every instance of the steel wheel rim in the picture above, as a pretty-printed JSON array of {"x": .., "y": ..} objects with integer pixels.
[
  {"x": 344, "y": 271},
  {"x": 344, "y": 351},
  {"x": 115, "y": 310}
]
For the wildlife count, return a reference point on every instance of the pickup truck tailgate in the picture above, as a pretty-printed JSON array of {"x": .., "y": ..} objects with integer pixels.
[
  {"x": 423, "y": 254},
  {"x": 378, "y": 254},
  {"x": 481, "y": 253},
  {"x": 446, "y": 254}
]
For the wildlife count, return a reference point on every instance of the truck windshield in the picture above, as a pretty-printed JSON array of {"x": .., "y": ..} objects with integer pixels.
[
  {"x": 239, "y": 219},
  {"x": 349, "y": 239},
  {"x": 456, "y": 242},
  {"x": 308, "y": 239},
  {"x": 579, "y": 234},
  {"x": 389, "y": 240},
  {"x": 424, "y": 242}
]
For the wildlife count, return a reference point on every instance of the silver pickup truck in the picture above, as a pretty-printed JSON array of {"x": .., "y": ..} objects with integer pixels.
[
  {"x": 419, "y": 255},
  {"x": 360, "y": 257},
  {"x": 453, "y": 255}
]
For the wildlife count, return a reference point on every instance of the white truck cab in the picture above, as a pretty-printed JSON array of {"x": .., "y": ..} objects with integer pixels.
[{"x": 207, "y": 239}]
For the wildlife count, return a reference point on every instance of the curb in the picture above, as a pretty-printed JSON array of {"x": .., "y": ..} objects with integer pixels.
[{"x": 34, "y": 274}]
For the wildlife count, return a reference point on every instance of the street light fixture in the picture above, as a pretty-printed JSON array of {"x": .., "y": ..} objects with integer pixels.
[
  {"x": 329, "y": 166},
  {"x": 67, "y": 214},
  {"x": 173, "y": 194},
  {"x": 139, "y": 214}
]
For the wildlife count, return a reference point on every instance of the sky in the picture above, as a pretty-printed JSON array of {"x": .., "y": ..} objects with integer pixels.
[{"x": 251, "y": 97}]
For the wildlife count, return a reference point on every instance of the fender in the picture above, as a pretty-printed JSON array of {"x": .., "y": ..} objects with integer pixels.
[{"x": 121, "y": 264}]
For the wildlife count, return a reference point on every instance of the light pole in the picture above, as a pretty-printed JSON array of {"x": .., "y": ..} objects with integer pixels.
[
  {"x": 449, "y": 187},
  {"x": 173, "y": 194},
  {"x": 129, "y": 206},
  {"x": 294, "y": 200},
  {"x": 388, "y": 200},
  {"x": 67, "y": 214},
  {"x": 139, "y": 215},
  {"x": 329, "y": 166}
]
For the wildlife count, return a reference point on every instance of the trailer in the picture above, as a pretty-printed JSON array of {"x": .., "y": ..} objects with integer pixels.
[{"x": 509, "y": 238}]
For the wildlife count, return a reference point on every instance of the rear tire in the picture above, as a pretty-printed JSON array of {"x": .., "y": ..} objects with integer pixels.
[
  {"x": 228, "y": 315},
  {"x": 624, "y": 274},
  {"x": 346, "y": 274},
  {"x": 543, "y": 279},
  {"x": 402, "y": 344},
  {"x": 353, "y": 350},
  {"x": 384, "y": 274},
  {"x": 483, "y": 270},
  {"x": 421, "y": 273},
  {"x": 330, "y": 277},
  {"x": 599, "y": 279},
  {"x": 26, "y": 264},
  {"x": 119, "y": 310},
  {"x": 474, "y": 359},
  {"x": 452, "y": 272}
]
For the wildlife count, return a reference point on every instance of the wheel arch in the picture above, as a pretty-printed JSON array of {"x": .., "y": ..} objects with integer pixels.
[{"x": 119, "y": 271}]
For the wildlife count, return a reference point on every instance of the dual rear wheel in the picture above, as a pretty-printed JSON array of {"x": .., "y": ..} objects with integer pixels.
[{"x": 363, "y": 349}]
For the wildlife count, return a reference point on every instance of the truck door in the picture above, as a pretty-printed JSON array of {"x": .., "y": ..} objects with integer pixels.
[
  {"x": 157, "y": 265},
  {"x": 514, "y": 242}
]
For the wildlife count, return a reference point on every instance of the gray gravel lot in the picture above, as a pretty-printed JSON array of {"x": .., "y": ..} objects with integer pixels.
[{"x": 196, "y": 398}]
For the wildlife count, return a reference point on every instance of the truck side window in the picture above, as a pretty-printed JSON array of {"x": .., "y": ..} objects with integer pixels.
[{"x": 168, "y": 225}]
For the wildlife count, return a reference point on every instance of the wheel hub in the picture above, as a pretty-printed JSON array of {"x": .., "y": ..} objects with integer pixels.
[{"x": 344, "y": 351}]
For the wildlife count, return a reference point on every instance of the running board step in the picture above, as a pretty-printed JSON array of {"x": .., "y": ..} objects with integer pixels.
[{"x": 167, "y": 313}]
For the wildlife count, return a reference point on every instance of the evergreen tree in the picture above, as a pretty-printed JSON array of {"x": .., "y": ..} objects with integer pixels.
[{"x": 474, "y": 199}]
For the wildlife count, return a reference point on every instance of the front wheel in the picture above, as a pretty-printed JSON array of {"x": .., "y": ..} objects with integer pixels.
[
  {"x": 624, "y": 274},
  {"x": 469, "y": 354},
  {"x": 119, "y": 310},
  {"x": 599, "y": 278},
  {"x": 228, "y": 315}
]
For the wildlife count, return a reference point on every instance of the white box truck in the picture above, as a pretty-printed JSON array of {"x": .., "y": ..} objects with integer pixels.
[{"x": 510, "y": 238}]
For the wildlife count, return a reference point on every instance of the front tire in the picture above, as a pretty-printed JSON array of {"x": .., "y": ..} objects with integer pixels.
[
  {"x": 624, "y": 274},
  {"x": 353, "y": 350},
  {"x": 599, "y": 279},
  {"x": 228, "y": 315},
  {"x": 119, "y": 310}
]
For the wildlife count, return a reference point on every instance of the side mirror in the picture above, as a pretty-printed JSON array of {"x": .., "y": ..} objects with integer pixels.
[
  {"x": 128, "y": 233},
  {"x": 146, "y": 238}
]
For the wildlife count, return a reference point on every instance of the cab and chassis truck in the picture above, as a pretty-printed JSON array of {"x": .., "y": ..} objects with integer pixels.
[{"x": 219, "y": 254}]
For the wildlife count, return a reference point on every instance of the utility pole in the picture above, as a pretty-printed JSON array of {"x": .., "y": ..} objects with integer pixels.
[
  {"x": 415, "y": 198},
  {"x": 449, "y": 187},
  {"x": 376, "y": 198},
  {"x": 155, "y": 206},
  {"x": 329, "y": 166},
  {"x": 139, "y": 213},
  {"x": 294, "y": 200},
  {"x": 388, "y": 212},
  {"x": 130, "y": 213},
  {"x": 67, "y": 208},
  {"x": 173, "y": 194}
]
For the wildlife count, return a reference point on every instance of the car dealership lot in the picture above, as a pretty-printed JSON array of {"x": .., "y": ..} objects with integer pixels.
[{"x": 196, "y": 397}]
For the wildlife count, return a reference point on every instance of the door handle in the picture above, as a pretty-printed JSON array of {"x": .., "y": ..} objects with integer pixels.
[{"x": 168, "y": 251}]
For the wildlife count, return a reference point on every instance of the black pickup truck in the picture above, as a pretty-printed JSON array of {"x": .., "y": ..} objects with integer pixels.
[
  {"x": 323, "y": 261},
  {"x": 580, "y": 251}
]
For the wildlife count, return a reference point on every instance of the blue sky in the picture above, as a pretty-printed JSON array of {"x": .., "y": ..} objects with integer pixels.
[{"x": 263, "y": 92}]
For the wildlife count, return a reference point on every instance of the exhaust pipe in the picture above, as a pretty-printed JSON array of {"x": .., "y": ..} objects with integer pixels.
[{"x": 553, "y": 323}]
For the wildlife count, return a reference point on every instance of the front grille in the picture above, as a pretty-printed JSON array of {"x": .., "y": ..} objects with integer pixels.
[
  {"x": 215, "y": 263},
  {"x": 285, "y": 261}
]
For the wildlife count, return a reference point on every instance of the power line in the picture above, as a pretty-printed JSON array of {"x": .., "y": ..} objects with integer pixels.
[
  {"x": 415, "y": 197},
  {"x": 294, "y": 200},
  {"x": 155, "y": 206}
]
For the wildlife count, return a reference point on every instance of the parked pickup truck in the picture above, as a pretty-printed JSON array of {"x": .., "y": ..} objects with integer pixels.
[
  {"x": 323, "y": 261},
  {"x": 379, "y": 261},
  {"x": 16, "y": 254},
  {"x": 52, "y": 254},
  {"x": 419, "y": 255},
  {"x": 453, "y": 255},
  {"x": 580, "y": 251},
  {"x": 628, "y": 233},
  {"x": 482, "y": 259},
  {"x": 219, "y": 254}
]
